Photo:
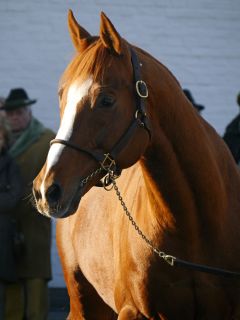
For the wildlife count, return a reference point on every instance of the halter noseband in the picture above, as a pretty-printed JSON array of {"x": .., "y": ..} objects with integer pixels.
[{"x": 107, "y": 159}]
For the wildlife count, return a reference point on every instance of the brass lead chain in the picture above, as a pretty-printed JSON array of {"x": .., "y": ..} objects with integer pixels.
[
  {"x": 168, "y": 258},
  {"x": 92, "y": 175}
]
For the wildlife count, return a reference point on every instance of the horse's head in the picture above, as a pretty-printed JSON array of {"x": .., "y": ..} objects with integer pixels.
[{"x": 103, "y": 121}]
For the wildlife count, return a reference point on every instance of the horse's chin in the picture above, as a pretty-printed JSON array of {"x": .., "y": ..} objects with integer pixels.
[
  {"x": 69, "y": 211},
  {"x": 59, "y": 213},
  {"x": 70, "y": 208}
]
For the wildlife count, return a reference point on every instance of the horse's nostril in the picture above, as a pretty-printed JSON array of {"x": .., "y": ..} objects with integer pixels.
[{"x": 53, "y": 193}]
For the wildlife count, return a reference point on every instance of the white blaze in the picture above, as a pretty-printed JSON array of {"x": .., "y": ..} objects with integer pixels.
[{"x": 75, "y": 94}]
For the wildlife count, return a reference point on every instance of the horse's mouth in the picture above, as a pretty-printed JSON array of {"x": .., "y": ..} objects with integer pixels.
[
  {"x": 63, "y": 208},
  {"x": 57, "y": 212},
  {"x": 63, "y": 201}
]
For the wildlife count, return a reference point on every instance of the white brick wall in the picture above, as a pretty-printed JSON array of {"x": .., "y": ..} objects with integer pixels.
[{"x": 198, "y": 40}]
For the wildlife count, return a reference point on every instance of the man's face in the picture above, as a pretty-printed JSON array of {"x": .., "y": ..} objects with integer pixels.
[{"x": 19, "y": 118}]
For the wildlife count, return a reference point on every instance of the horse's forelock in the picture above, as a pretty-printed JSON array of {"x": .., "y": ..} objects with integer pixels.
[{"x": 92, "y": 62}]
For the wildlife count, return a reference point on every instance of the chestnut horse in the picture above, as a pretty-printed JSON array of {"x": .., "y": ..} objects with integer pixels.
[{"x": 123, "y": 112}]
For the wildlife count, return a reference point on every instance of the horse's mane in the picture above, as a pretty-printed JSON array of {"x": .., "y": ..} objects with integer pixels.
[
  {"x": 146, "y": 54},
  {"x": 94, "y": 60}
]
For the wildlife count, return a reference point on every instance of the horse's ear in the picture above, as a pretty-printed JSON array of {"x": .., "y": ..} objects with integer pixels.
[
  {"x": 80, "y": 37},
  {"x": 109, "y": 36}
]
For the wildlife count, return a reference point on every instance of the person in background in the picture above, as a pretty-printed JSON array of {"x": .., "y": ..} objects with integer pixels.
[
  {"x": 232, "y": 135},
  {"x": 197, "y": 106},
  {"x": 10, "y": 193},
  {"x": 28, "y": 297},
  {"x": 2, "y": 113}
]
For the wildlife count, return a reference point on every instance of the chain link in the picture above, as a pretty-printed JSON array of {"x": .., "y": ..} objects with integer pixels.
[{"x": 92, "y": 175}]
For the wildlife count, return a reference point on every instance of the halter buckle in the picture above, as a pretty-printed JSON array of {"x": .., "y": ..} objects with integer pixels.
[
  {"x": 142, "y": 89},
  {"x": 108, "y": 162}
]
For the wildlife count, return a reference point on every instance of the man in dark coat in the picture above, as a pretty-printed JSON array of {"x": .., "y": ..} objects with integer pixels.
[
  {"x": 197, "y": 106},
  {"x": 10, "y": 193},
  {"x": 232, "y": 135},
  {"x": 28, "y": 298}
]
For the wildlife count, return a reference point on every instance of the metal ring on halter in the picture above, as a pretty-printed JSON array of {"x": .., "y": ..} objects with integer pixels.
[
  {"x": 137, "y": 113},
  {"x": 108, "y": 182},
  {"x": 139, "y": 83}
]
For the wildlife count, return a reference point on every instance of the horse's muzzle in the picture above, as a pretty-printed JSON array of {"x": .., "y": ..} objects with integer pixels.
[{"x": 54, "y": 201}]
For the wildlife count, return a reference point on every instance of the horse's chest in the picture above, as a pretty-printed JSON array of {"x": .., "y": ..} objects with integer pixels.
[
  {"x": 107, "y": 261},
  {"x": 111, "y": 254},
  {"x": 96, "y": 258}
]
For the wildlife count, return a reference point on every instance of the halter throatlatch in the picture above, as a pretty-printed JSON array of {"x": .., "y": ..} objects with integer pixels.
[{"x": 107, "y": 160}]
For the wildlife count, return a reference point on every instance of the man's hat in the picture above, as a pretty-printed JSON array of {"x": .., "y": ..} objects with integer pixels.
[
  {"x": 17, "y": 98},
  {"x": 188, "y": 94}
]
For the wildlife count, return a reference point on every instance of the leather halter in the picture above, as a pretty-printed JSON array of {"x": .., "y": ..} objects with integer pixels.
[{"x": 107, "y": 159}]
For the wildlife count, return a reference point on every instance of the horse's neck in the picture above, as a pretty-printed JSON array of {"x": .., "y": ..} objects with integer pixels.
[
  {"x": 169, "y": 192},
  {"x": 180, "y": 168}
]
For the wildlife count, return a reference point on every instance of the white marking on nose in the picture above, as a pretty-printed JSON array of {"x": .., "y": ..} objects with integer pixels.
[{"x": 75, "y": 94}]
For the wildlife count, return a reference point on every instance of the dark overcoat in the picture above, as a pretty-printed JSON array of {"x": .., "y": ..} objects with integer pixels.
[
  {"x": 232, "y": 137},
  {"x": 35, "y": 261},
  {"x": 10, "y": 193},
  {"x": 10, "y": 183}
]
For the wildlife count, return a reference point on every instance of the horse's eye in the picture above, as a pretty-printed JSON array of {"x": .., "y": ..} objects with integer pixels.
[{"x": 107, "y": 101}]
